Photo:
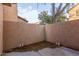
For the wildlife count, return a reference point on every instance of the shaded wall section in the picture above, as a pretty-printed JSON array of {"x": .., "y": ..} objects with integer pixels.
[
  {"x": 17, "y": 34},
  {"x": 1, "y": 28},
  {"x": 66, "y": 33}
]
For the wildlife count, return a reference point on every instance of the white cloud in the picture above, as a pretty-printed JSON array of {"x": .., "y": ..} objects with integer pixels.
[
  {"x": 29, "y": 7},
  {"x": 29, "y": 14}
]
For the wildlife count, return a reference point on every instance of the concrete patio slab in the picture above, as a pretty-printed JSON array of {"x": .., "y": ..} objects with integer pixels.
[
  {"x": 61, "y": 51},
  {"x": 29, "y": 53},
  {"x": 51, "y": 52}
]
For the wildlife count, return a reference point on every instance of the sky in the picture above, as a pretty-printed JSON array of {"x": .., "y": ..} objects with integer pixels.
[{"x": 30, "y": 11}]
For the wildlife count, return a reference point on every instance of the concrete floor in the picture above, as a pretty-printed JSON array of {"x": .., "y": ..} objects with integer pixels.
[{"x": 61, "y": 51}]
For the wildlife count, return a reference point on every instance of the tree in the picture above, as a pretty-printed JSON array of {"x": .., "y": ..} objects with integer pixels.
[
  {"x": 56, "y": 14},
  {"x": 62, "y": 18},
  {"x": 44, "y": 17},
  {"x": 47, "y": 19}
]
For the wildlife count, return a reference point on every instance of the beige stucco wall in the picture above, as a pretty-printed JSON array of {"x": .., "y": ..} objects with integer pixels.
[
  {"x": 66, "y": 33},
  {"x": 1, "y": 29},
  {"x": 10, "y": 13},
  {"x": 17, "y": 33},
  {"x": 73, "y": 13}
]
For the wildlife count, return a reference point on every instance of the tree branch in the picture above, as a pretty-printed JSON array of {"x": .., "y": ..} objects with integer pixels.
[{"x": 59, "y": 13}]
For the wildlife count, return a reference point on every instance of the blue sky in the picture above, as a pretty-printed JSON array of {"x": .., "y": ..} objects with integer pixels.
[{"x": 30, "y": 11}]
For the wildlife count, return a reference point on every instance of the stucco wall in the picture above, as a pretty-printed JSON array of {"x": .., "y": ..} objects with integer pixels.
[
  {"x": 1, "y": 29},
  {"x": 10, "y": 12},
  {"x": 17, "y": 33},
  {"x": 73, "y": 13},
  {"x": 66, "y": 33}
]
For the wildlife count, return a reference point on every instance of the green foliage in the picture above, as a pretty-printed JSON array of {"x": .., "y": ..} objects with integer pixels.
[
  {"x": 47, "y": 19},
  {"x": 44, "y": 17},
  {"x": 57, "y": 14},
  {"x": 61, "y": 18}
]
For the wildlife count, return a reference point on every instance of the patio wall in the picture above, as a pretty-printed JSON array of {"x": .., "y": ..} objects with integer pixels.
[
  {"x": 17, "y": 34},
  {"x": 1, "y": 29},
  {"x": 66, "y": 33}
]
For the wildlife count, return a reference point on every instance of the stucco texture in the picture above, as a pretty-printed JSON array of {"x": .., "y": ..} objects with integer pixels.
[
  {"x": 74, "y": 13},
  {"x": 66, "y": 33},
  {"x": 10, "y": 13},
  {"x": 17, "y": 33},
  {"x": 1, "y": 29}
]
